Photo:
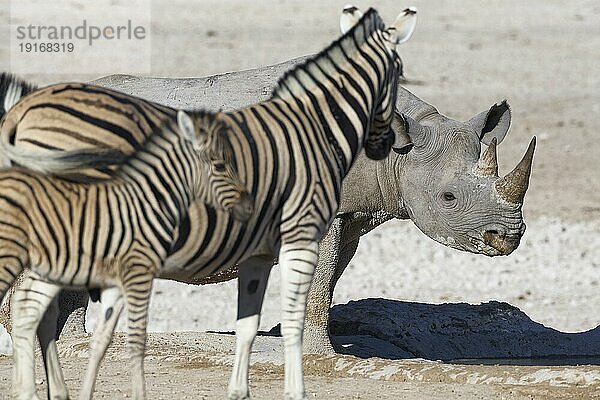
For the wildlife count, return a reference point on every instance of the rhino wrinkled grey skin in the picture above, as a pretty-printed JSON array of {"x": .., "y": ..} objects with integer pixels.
[
  {"x": 454, "y": 195},
  {"x": 435, "y": 177}
]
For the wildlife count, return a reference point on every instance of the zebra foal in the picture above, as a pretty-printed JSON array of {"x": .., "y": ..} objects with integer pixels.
[
  {"x": 113, "y": 235},
  {"x": 292, "y": 151}
]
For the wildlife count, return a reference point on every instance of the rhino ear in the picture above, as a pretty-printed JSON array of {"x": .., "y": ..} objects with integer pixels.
[
  {"x": 402, "y": 141},
  {"x": 492, "y": 123},
  {"x": 417, "y": 134}
]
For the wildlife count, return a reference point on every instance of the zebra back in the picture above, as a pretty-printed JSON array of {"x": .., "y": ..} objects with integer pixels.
[
  {"x": 76, "y": 116},
  {"x": 87, "y": 133}
]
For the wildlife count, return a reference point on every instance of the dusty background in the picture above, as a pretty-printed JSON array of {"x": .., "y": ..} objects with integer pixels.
[{"x": 464, "y": 56}]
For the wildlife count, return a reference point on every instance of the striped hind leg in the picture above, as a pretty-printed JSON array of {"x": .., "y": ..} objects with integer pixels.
[
  {"x": 252, "y": 282},
  {"x": 137, "y": 287},
  {"x": 112, "y": 306},
  {"x": 11, "y": 266},
  {"x": 297, "y": 263},
  {"x": 14, "y": 258},
  {"x": 46, "y": 333},
  {"x": 29, "y": 303}
]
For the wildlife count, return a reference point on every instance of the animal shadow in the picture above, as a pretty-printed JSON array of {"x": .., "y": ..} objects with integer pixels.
[{"x": 488, "y": 333}]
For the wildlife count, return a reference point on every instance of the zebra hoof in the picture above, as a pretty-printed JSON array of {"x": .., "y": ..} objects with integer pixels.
[
  {"x": 289, "y": 396},
  {"x": 238, "y": 395}
]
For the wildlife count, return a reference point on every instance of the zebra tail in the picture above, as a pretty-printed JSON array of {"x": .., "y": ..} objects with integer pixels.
[
  {"x": 11, "y": 91},
  {"x": 60, "y": 162},
  {"x": 55, "y": 162},
  {"x": 74, "y": 160}
]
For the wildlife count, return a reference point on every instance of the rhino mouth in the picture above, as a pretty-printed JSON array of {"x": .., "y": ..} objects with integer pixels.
[
  {"x": 482, "y": 247},
  {"x": 507, "y": 245},
  {"x": 494, "y": 245},
  {"x": 475, "y": 244},
  {"x": 498, "y": 246}
]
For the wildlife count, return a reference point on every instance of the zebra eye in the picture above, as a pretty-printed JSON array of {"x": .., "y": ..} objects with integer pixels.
[{"x": 220, "y": 167}]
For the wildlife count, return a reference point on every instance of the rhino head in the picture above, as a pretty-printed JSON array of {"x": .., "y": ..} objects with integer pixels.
[{"x": 451, "y": 192}]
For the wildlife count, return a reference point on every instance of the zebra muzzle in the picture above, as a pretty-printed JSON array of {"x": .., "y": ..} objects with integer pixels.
[
  {"x": 380, "y": 148},
  {"x": 244, "y": 208}
]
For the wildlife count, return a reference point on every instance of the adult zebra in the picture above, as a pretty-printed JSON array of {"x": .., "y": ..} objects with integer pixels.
[{"x": 293, "y": 151}]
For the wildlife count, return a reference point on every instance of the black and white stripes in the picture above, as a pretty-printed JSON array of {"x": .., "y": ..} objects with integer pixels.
[
  {"x": 112, "y": 234},
  {"x": 292, "y": 152}
]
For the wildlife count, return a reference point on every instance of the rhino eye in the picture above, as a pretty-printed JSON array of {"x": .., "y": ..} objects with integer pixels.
[{"x": 448, "y": 196}]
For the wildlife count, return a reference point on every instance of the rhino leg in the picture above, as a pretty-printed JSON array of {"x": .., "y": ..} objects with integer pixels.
[
  {"x": 5, "y": 319},
  {"x": 335, "y": 254},
  {"x": 71, "y": 319}
]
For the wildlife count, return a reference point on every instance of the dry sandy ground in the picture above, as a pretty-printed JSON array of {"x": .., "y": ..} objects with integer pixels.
[
  {"x": 197, "y": 366},
  {"x": 542, "y": 56}
]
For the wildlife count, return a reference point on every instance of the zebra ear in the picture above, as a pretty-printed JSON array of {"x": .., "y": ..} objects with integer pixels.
[
  {"x": 350, "y": 16},
  {"x": 186, "y": 125},
  {"x": 404, "y": 26}
]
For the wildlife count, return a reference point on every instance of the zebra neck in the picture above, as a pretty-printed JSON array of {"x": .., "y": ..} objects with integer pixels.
[
  {"x": 338, "y": 116},
  {"x": 166, "y": 171},
  {"x": 338, "y": 89}
]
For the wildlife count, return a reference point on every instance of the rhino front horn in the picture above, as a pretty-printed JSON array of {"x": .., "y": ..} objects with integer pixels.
[
  {"x": 513, "y": 186},
  {"x": 488, "y": 163}
]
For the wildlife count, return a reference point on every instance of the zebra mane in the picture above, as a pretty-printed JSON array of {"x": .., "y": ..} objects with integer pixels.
[
  {"x": 288, "y": 84},
  {"x": 11, "y": 91}
]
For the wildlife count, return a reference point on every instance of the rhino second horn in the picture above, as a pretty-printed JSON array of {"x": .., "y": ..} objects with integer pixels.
[
  {"x": 513, "y": 186},
  {"x": 488, "y": 163}
]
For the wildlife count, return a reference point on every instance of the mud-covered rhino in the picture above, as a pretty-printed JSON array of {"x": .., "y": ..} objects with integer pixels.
[{"x": 435, "y": 177}]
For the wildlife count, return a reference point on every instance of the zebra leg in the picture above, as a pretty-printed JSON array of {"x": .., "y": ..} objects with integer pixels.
[
  {"x": 29, "y": 304},
  {"x": 137, "y": 287},
  {"x": 112, "y": 306},
  {"x": 252, "y": 281},
  {"x": 46, "y": 333},
  {"x": 297, "y": 262}
]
